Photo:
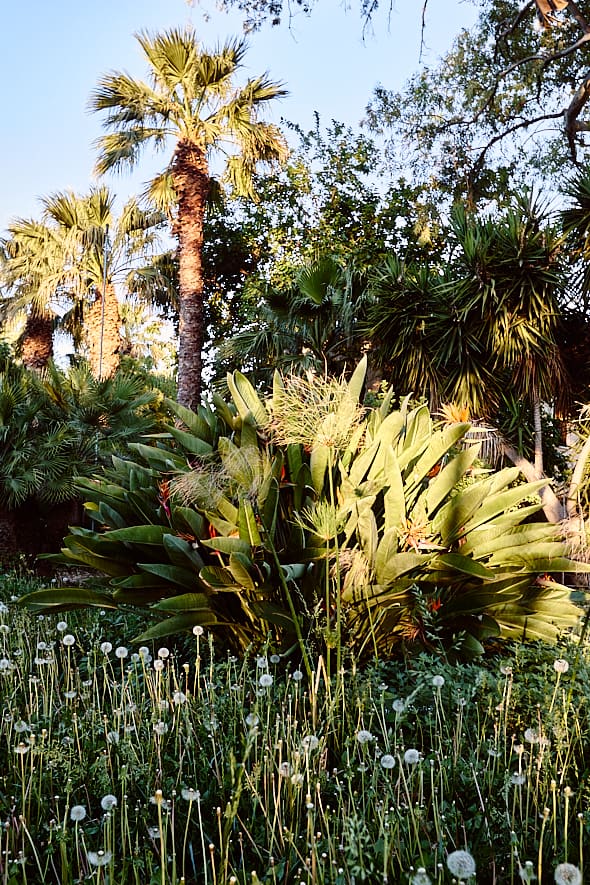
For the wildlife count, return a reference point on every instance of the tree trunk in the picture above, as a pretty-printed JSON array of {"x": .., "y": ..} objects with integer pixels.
[
  {"x": 538, "y": 437},
  {"x": 103, "y": 334},
  {"x": 191, "y": 182},
  {"x": 552, "y": 506},
  {"x": 36, "y": 347}
]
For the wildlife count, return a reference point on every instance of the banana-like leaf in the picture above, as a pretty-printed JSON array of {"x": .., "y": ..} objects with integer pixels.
[
  {"x": 185, "y": 602},
  {"x": 319, "y": 460},
  {"x": 228, "y": 545},
  {"x": 247, "y": 401},
  {"x": 274, "y": 615},
  {"x": 139, "y": 534},
  {"x": 171, "y": 574},
  {"x": 357, "y": 380},
  {"x": 196, "y": 424},
  {"x": 247, "y": 524},
  {"x": 449, "y": 478},
  {"x": 178, "y": 624},
  {"x": 181, "y": 553},
  {"x": 53, "y": 598},
  {"x": 441, "y": 442},
  {"x": 465, "y": 565},
  {"x": 218, "y": 578},
  {"x": 194, "y": 445},
  {"x": 239, "y": 566}
]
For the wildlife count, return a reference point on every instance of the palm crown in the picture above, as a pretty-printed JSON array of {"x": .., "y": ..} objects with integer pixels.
[{"x": 192, "y": 99}]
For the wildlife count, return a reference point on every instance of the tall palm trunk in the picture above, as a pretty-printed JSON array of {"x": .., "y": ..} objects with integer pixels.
[
  {"x": 103, "y": 334},
  {"x": 36, "y": 347},
  {"x": 191, "y": 182}
]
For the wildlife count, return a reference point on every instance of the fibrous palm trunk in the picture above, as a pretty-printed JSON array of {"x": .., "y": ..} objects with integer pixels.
[
  {"x": 191, "y": 182},
  {"x": 36, "y": 347},
  {"x": 103, "y": 334}
]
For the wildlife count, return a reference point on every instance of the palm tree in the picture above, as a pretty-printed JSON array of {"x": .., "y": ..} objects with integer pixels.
[
  {"x": 191, "y": 99},
  {"x": 68, "y": 257},
  {"x": 311, "y": 325}
]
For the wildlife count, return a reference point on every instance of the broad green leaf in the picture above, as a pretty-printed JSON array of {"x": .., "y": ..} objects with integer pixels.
[
  {"x": 247, "y": 524},
  {"x": 449, "y": 477},
  {"x": 273, "y": 614},
  {"x": 195, "y": 423},
  {"x": 178, "y": 624},
  {"x": 181, "y": 553},
  {"x": 246, "y": 399},
  {"x": 171, "y": 574},
  {"x": 184, "y": 602},
  {"x": 441, "y": 442},
  {"x": 239, "y": 566},
  {"x": 463, "y": 564},
  {"x": 54, "y": 597},
  {"x": 357, "y": 380},
  {"x": 227, "y": 545},
  {"x": 190, "y": 443},
  {"x": 499, "y": 503},
  {"x": 319, "y": 460},
  {"x": 139, "y": 534},
  {"x": 393, "y": 499},
  {"x": 218, "y": 578}
]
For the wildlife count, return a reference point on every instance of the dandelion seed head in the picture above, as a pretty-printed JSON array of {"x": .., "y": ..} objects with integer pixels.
[
  {"x": 398, "y": 705},
  {"x": 160, "y": 727},
  {"x": 567, "y": 874},
  {"x": 560, "y": 665},
  {"x": 363, "y": 736},
  {"x": 420, "y": 877},
  {"x": 179, "y": 697},
  {"x": 163, "y": 652},
  {"x": 158, "y": 665},
  {"x": 285, "y": 769},
  {"x": 77, "y": 813},
  {"x": 61, "y": 626},
  {"x": 198, "y": 630},
  {"x": 438, "y": 681},
  {"x": 296, "y": 675},
  {"x": 262, "y": 663},
  {"x": 121, "y": 652},
  {"x": 108, "y": 802},
  {"x": 68, "y": 639},
  {"x": 531, "y": 736},
  {"x": 275, "y": 659},
  {"x": 106, "y": 647},
  {"x": 252, "y": 720},
  {"x": 22, "y": 748},
  {"x": 310, "y": 742},
  {"x": 412, "y": 757},
  {"x": 190, "y": 794},
  {"x": 518, "y": 779},
  {"x": 265, "y": 680},
  {"x": 99, "y": 858},
  {"x": 387, "y": 761},
  {"x": 461, "y": 864}
]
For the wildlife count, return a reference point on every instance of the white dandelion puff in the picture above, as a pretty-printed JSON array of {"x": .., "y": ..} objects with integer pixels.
[
  {"x": 121, "y": 652},
  {"x": 265, "y": 680},
  {"x": 412, "y": 757},
  {"x": 77, "y": 813},
  {"x": 363, "y": 736},
  {"x": 310, "y": 742},
  {"x": 438, "y": 681},
  {"x": 61, "y": 626},
  {"x": 99, "y": 858},
  {"x": 108, "y": 802},
  {"x": 567, "y": 874},
  {"x": 68, "y": 639},
  {"x": 106, "y": 647},
  {"x": 198, "y": 630},
  {"x": 461, "y": 864},
  {"x": 560, "y": 665},
  {"x": 190, "y": 794},
  {"x": 387, "y": 761}
]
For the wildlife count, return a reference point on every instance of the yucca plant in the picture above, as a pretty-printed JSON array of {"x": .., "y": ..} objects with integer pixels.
[{"x": 312, "y": 520}]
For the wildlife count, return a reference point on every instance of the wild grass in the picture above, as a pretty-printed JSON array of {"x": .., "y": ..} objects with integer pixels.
[{"x": 124, "y": 764}]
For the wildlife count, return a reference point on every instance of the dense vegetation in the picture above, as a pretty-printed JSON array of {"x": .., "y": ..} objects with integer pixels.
[{"x": 350, "y": 505}]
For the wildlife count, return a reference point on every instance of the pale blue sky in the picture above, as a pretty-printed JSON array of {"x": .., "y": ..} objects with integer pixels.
[{"x": 52, "y": 53}]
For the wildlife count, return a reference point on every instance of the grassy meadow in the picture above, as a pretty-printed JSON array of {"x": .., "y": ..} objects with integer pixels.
[{"x": 164, "y": 764}]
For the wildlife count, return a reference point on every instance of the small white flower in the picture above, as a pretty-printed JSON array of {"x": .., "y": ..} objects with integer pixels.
[
  {"x": 310, "y": 742},
  {"x": 179, "y": 697},
  {"x": 163, "y": 652},
  {"x": 20, "y": 726},
  {"x": 106, "y": 647},
  {"x": 296, "y": 675},
  {"x": 387, "y": 761},
  {"x": 363, "y": 736},
  {"x": 252, "y": 720},
  {"x": 275, "y": 659},
  {"x": 99, "y": 858},
  {"x": 198, "y": 630},
  {"x": 438, "y": 681},
  {"x": 62, "y": 626},
  {"x": 411, "y": 757},
  {"x": 567, "y": 874},
  {"x": 399, "y": 705},
  {"x": 68, "y": 639},
  {"x": 461, "y": 864},
  {"x": 77, "y": 813},
  {"x": 265, "y": 680},
  {"x": 108, "y": 802},
  {"x": 561, "y": 666},
  {"x": 121, "y": 652},
  {"x": 143, "y": 651},
  {"x": 160, "y": 727},
  {"x": 262, "y": 663},
  {"x": 190, "y": 794}
]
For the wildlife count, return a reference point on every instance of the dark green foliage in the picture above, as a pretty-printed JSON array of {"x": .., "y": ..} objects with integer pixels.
[{"x": 308, "y": 519}]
